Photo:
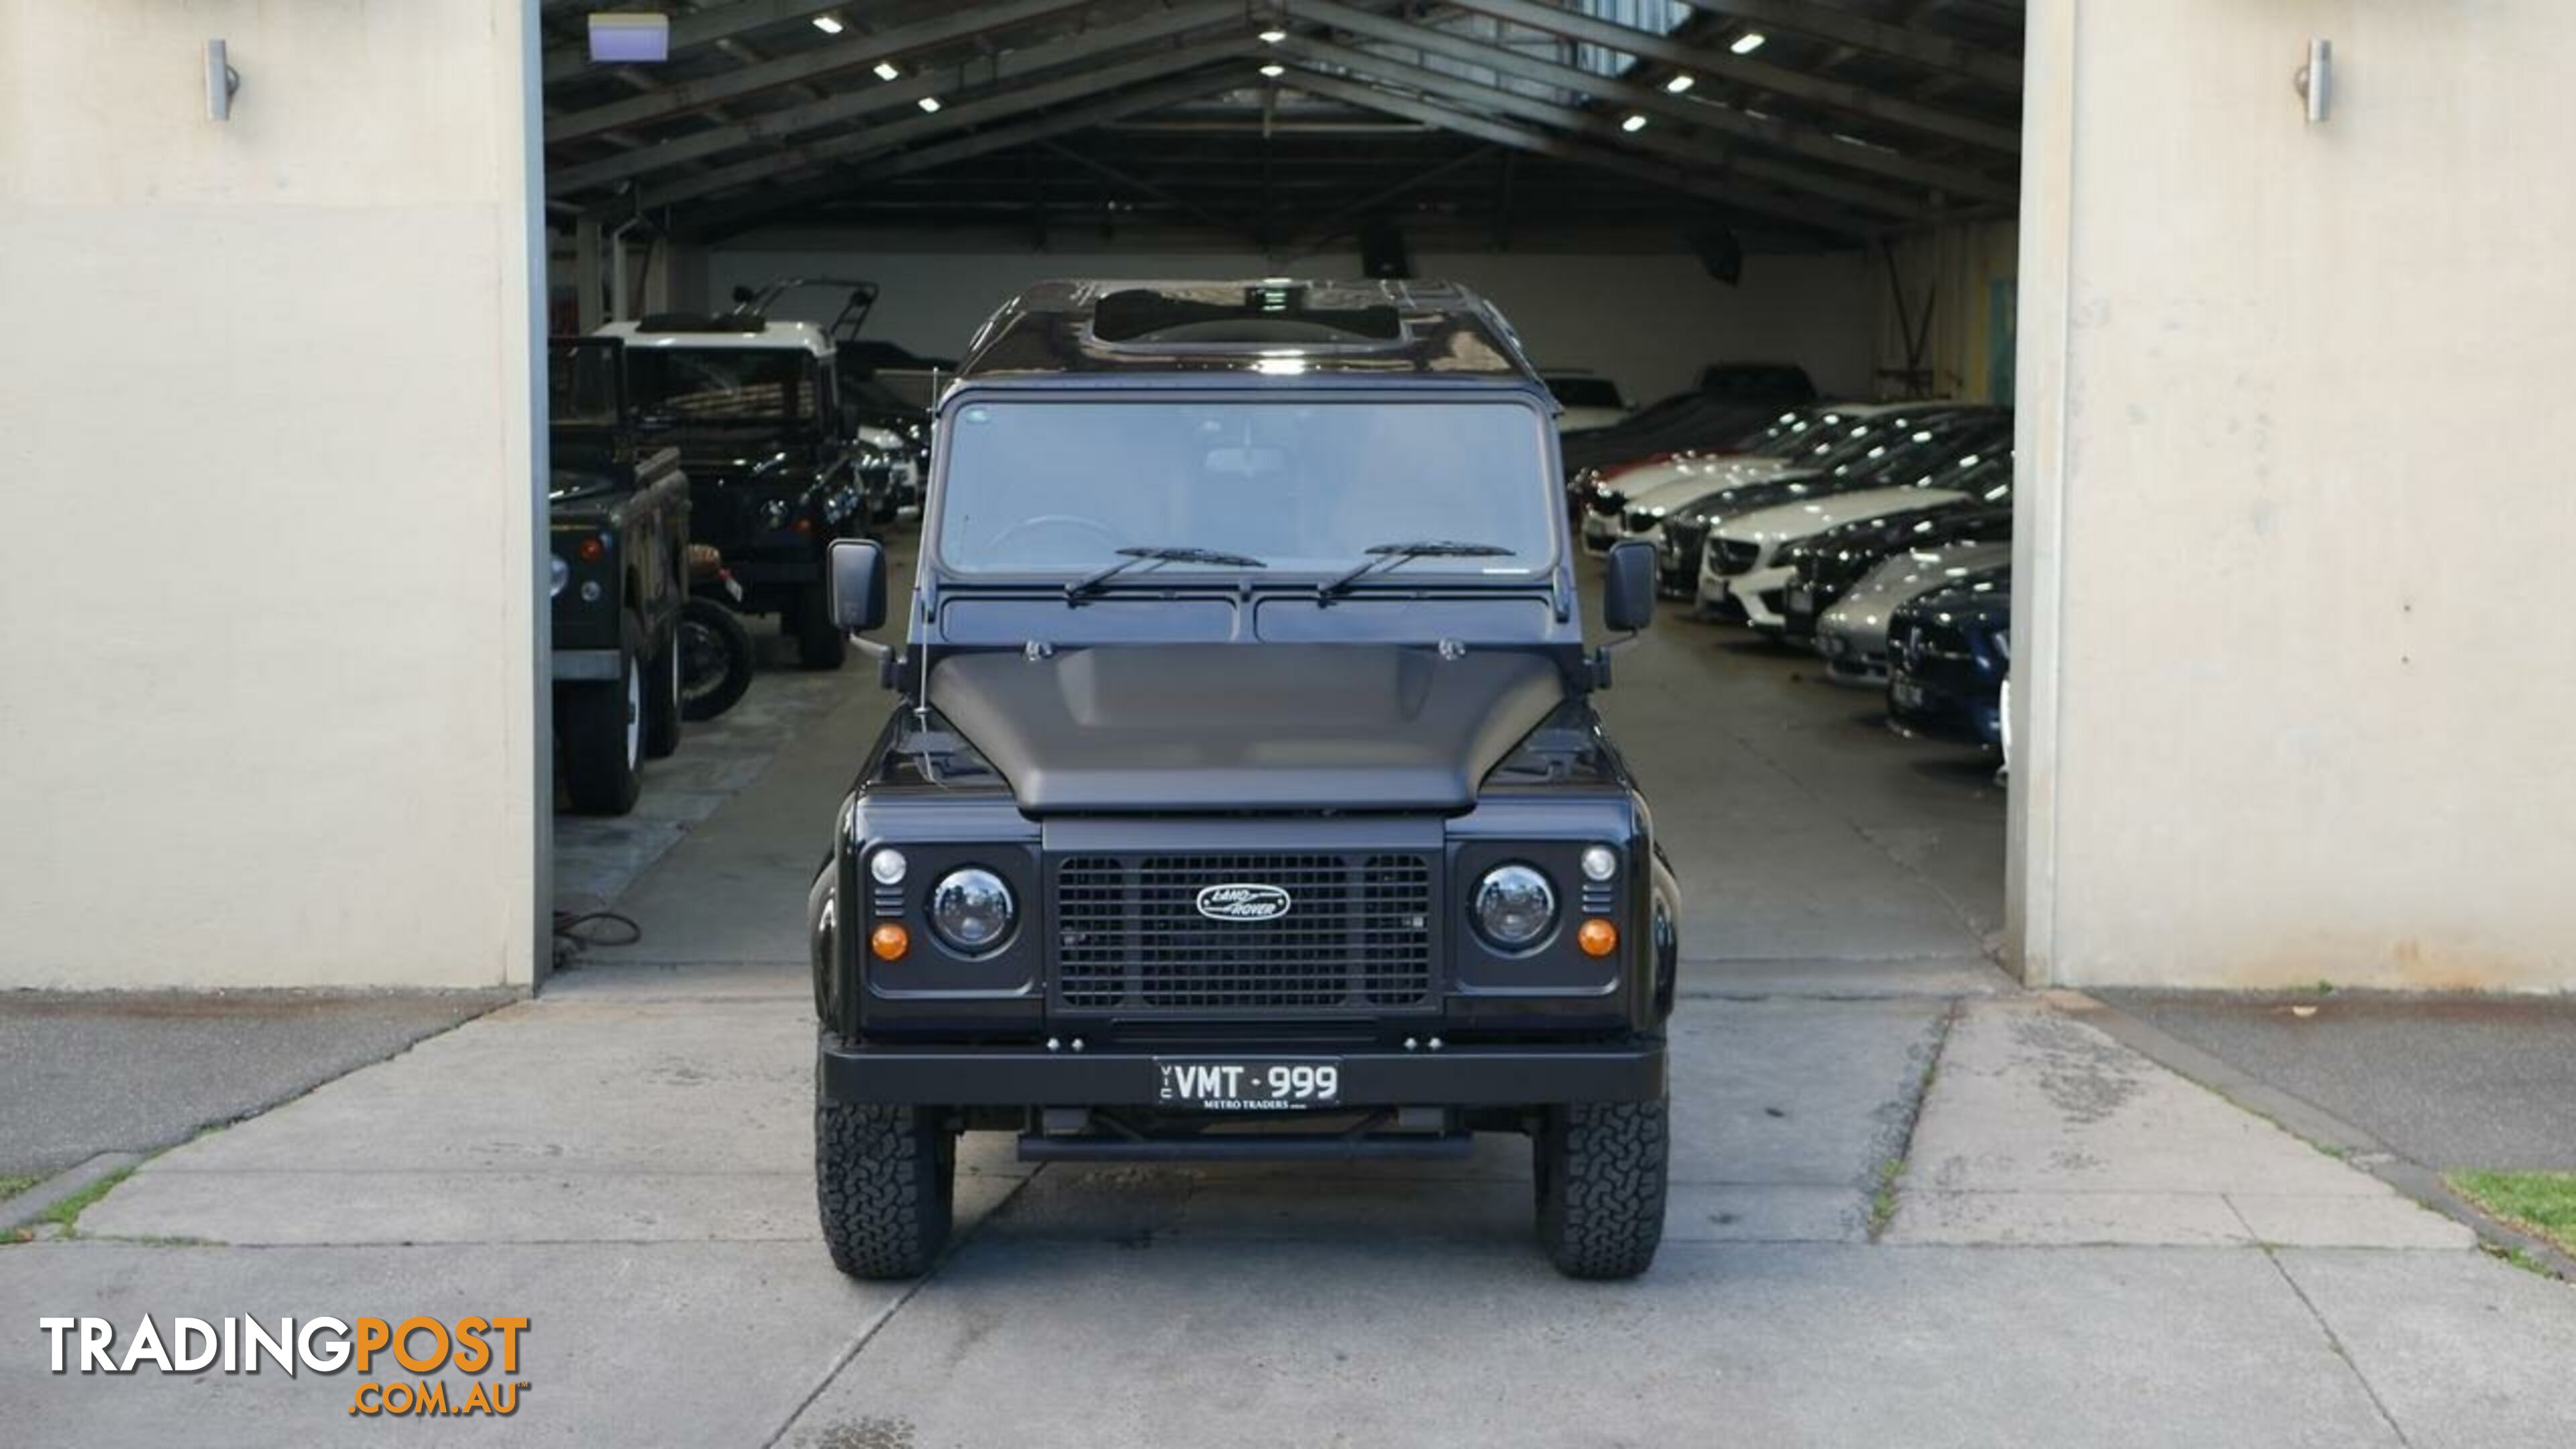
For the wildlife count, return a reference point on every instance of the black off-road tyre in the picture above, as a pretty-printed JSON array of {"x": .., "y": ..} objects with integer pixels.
[
  {"x": 600, "y": 726},
  {"x": 662, "y": 714},
  {"x": 1601, "y": 1169},
  {"x": 820, "y": 644},
  {"x": 715, "y": 659},
  {"x": 885, "y": 1178}
]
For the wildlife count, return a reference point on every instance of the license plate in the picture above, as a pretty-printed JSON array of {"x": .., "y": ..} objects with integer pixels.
[
  {"x": 1250, "y": 1084},
  {"x": 1906, "y": 692}
]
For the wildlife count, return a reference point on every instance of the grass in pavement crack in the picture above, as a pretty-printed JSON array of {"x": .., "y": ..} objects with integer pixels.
[
  {"x": 66, "y": 1214},
  {"x": 1882, "y": 1202}
]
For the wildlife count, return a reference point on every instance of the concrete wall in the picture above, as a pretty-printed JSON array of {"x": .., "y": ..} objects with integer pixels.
[
  {"x": 266, "y": 577},
  {"x": 2293, "y": 559},
  {"x": 1650, "y": 319}
]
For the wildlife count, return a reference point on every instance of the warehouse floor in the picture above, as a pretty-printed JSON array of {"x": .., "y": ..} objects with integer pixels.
[{"x": 1816, "y": 849}]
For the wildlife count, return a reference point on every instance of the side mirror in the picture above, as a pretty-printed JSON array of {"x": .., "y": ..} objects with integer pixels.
[
  {"x": 858, "y": 584},
  {"x": 1627, "y": 586}
]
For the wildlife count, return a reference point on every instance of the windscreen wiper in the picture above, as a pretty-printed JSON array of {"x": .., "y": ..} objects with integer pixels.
[
  {"x": 1386, "y": 556},
  {"x": 1158, "y": 553}
]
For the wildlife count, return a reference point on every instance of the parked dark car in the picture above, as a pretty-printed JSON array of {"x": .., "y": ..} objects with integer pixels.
[
  {"x": 1783, "y": 384},
  {"x": 617, "y": 522},
  {"x": 1680, "y": 423},
  {"x": 1948, "y": 652},
  {"x": 754, "y": 406},
  {"x": 1247, "y": 798}
]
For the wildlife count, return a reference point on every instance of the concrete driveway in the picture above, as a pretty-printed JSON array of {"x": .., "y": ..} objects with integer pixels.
[{"x": 2057, "y": 1243}]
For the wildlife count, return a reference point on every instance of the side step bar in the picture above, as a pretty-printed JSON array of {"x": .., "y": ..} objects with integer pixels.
[{"x": 1242, "y": 1147}]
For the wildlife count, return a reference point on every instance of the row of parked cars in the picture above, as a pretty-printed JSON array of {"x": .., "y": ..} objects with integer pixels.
[
  {"x": 1878, "y": 535},
  {"x": 701, "y": 467}
]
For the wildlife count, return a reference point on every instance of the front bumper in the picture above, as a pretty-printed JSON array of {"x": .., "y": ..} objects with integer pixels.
[
  {"x": 1460, "y": 1075},
  {"x": 1762, "y": 593},
  {"x": 1965, "y": 712},
  {"x": 1599, "y": 532}
]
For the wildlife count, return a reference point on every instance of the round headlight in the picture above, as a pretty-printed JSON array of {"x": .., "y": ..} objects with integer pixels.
[
  {"x": 1515, "y": 907},
  {"x": 887, "y": 866},
  {"x": 971, "y": 910},
  {"x": 1600, "y": 862},
  {"x": 774, "y": 513},
  {"x": 558, "y": 573}
]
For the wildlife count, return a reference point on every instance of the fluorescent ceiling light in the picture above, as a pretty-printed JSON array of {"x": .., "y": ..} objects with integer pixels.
[
  {"x": 1749, "y": 42},
  {"x": 629, "y": 39},
  {"x": 1633, "y": 124},
  {"x": 1273, "y": 35},
  {"x": 1274, "y": 71},
  {"x": 929, "y": 103},
  {"x": 828, "y": 24},
  {"x": 1680, "y": 83},
  {"x": 886, "y": 70}
]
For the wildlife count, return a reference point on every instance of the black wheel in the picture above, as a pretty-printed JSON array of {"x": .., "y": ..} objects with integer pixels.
[
  {"x": 715, "y": 657},
  {"x": 885, "y": 1178},
  {"x": 662, "y": 713},
  {"x": 820, "y": 644},
  {"x": 601, "y": 725},
  {"x": 1601, "y": 1172}
]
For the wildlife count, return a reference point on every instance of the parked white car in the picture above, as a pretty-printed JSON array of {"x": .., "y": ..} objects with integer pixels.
[
  {"x": 1852, "y": 635},
  {"x": 1739, "y": 572},
  {"x": 1805, "y": 444}
]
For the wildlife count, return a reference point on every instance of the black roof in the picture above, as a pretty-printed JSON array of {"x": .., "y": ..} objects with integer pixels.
[{"x": 1268, "y": 325}]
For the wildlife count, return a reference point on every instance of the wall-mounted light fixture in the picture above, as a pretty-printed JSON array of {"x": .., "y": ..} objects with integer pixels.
[
  {"x": 2315, "y": 80},
  {"x": 221, "y": 82}
]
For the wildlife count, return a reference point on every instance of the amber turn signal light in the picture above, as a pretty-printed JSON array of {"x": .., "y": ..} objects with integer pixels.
[
  {"x": 1597, "y": 937},
  {"x": 889, "y": 941}
]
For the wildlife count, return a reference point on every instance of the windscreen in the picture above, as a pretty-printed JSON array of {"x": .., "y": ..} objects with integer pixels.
[
  {"x": 1306, "y": 486},
  {"x": 682, "y": 386}
]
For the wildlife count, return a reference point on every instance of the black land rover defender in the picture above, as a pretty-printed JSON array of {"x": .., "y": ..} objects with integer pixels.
[
  {"x": 1247, "y": 799},
  {"x": 617, "y": 514},
  {"x": 755, "y": 408}
]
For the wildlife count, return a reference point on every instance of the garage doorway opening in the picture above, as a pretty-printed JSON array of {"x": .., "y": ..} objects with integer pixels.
[{"x": 1654, "y": 192}]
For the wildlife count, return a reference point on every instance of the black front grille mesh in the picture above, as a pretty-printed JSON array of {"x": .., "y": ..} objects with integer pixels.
[
  {"x": 1734, "y": 557},
  {"x": 1357, "y": 934}
]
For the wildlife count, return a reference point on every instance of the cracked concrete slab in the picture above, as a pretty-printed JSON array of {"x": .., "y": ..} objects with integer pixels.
[
  {"x": 2464, "y": 1351},
  {"x": 2039, "y": 1129}
]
